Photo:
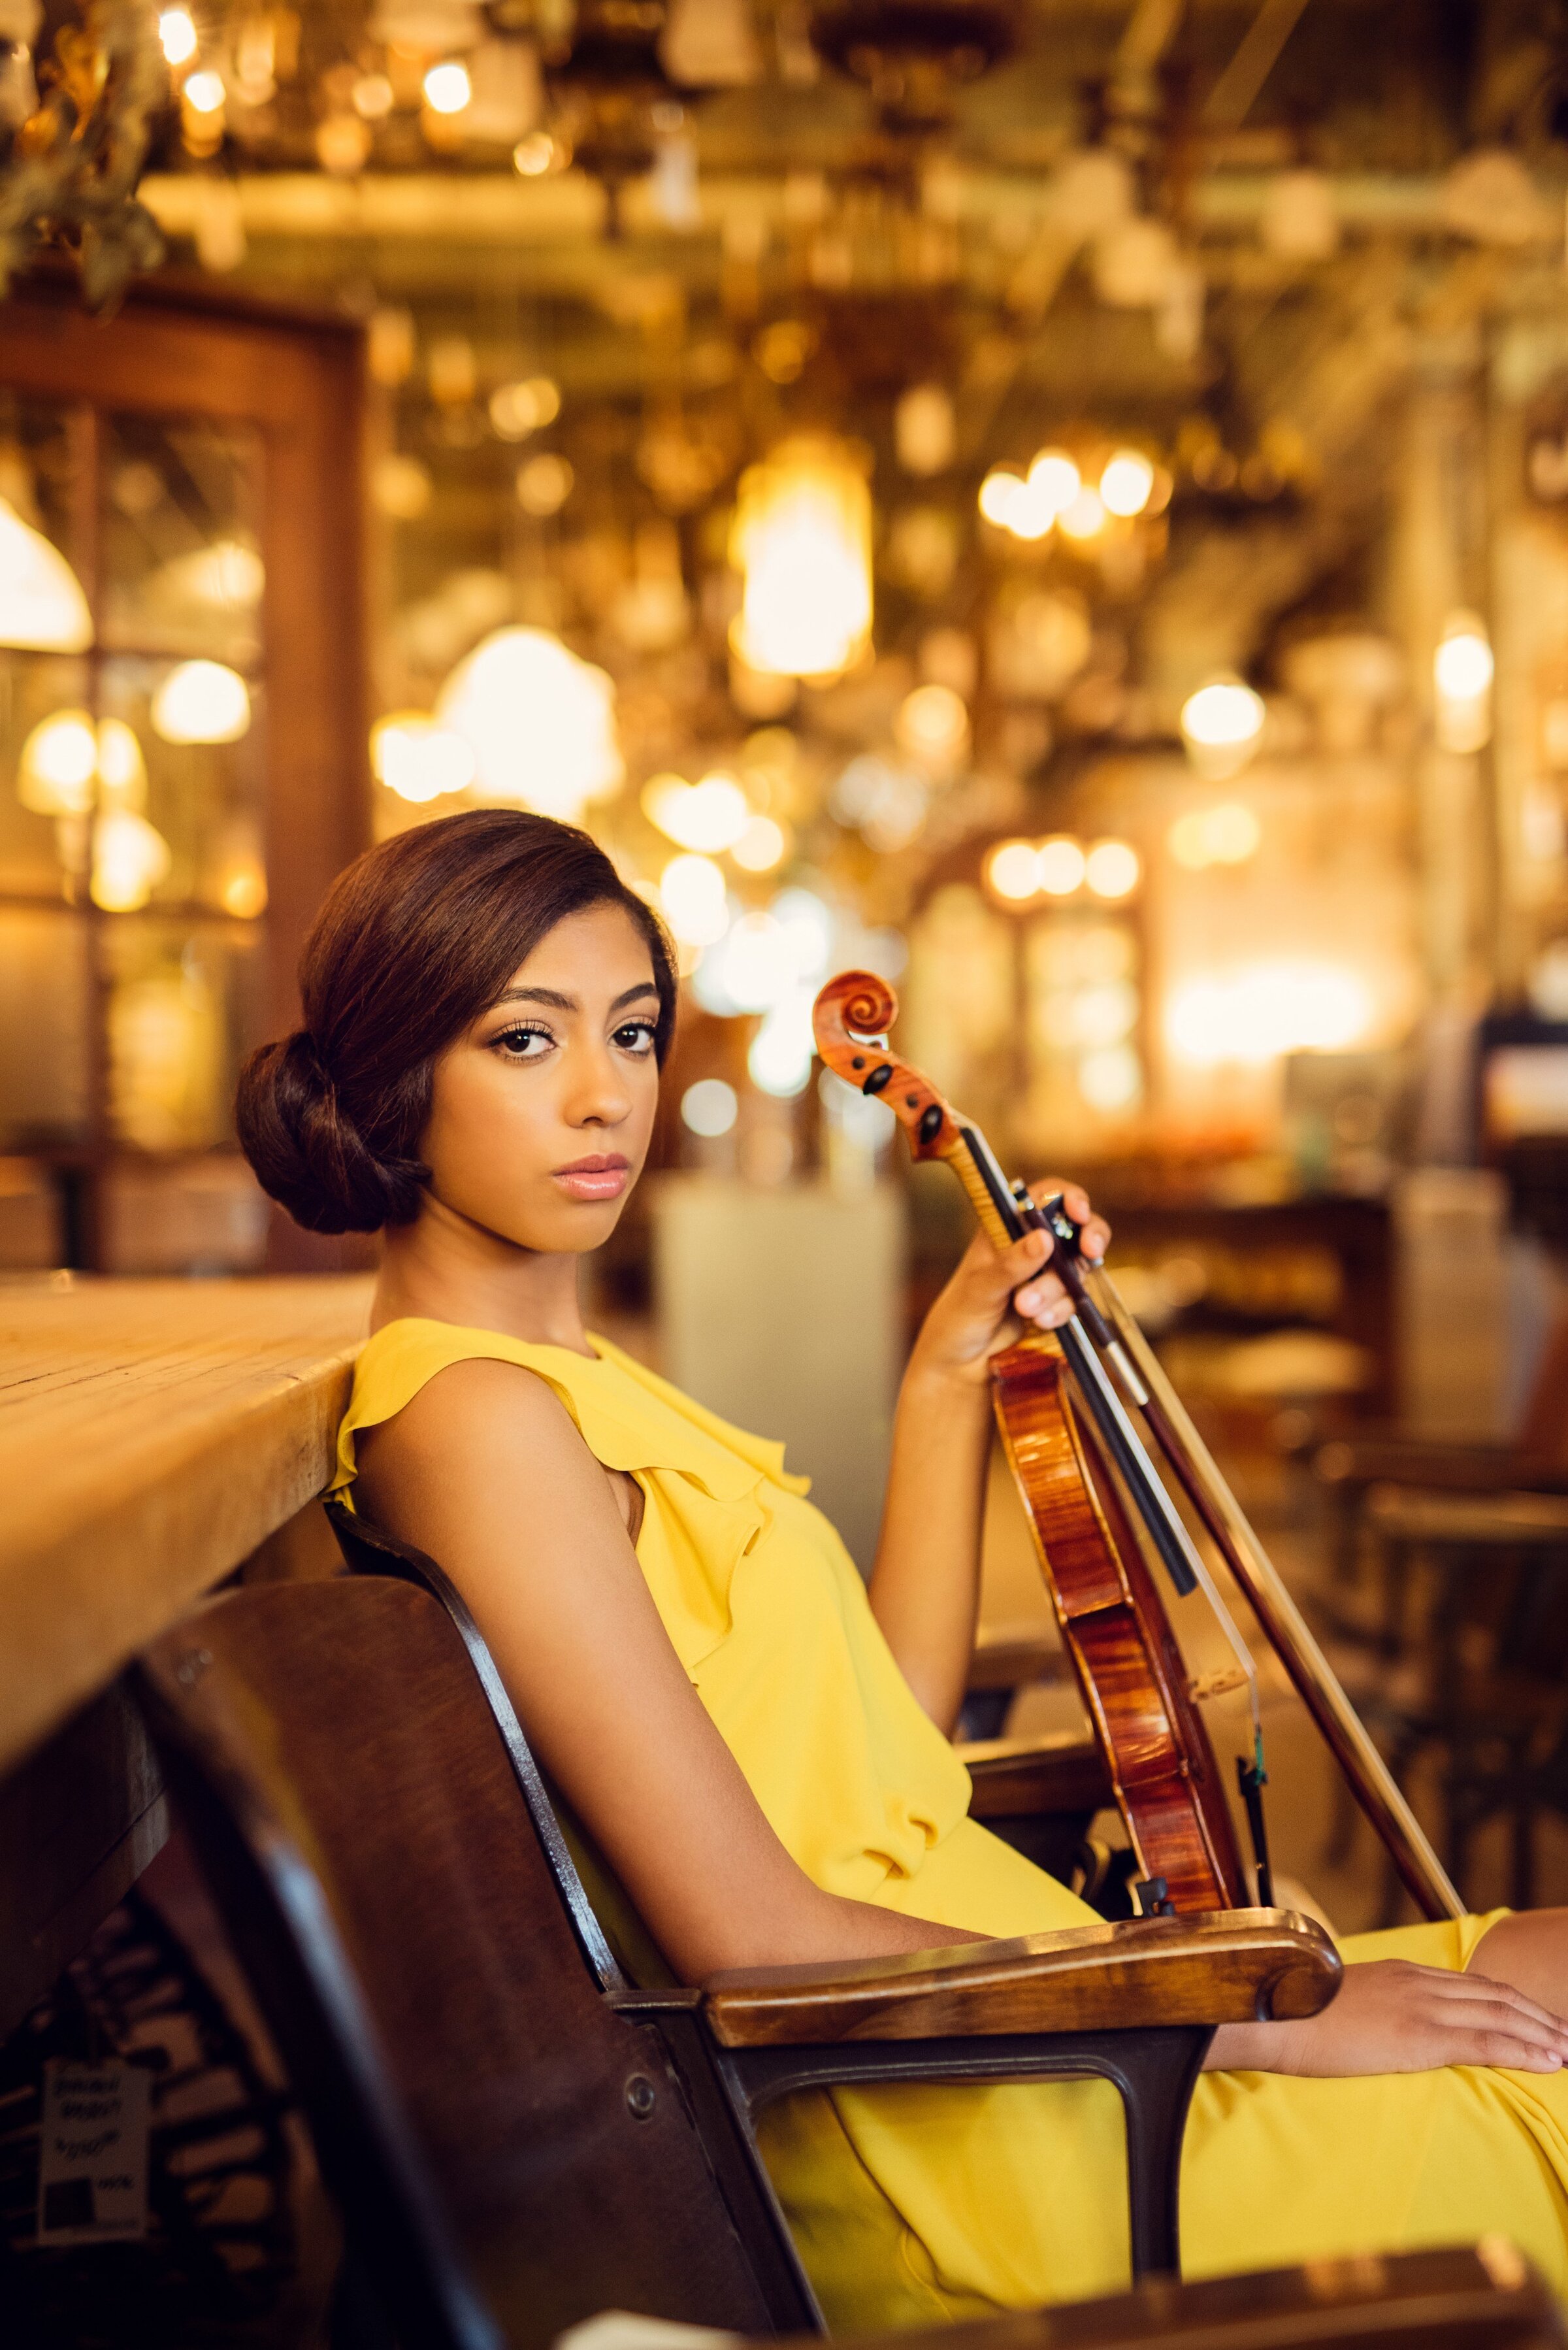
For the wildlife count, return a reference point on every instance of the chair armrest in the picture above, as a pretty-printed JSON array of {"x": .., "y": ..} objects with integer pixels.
[
  {"x": 1423, "y": 1514},
  {"x": 1020, "y": 1778},
  {"x": 1350, "y": 1464},
  {"x": 1235, "y": 1966}
]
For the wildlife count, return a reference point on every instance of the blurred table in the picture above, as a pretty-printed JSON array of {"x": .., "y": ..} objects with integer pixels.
[{"x": 152, "y": 1434}]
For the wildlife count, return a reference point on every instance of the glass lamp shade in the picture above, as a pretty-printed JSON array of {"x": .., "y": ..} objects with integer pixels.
[
  {"x": 42, "y": 607},
  {"x": 541, "y": 723},
  {"x": 802, "y": 541}
]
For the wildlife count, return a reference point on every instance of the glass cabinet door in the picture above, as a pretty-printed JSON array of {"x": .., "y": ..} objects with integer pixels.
[{"x": 137, "y": 800}]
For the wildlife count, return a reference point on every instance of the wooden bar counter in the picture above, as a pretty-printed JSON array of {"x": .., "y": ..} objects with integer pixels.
[{"x": 152, "y": 1435}]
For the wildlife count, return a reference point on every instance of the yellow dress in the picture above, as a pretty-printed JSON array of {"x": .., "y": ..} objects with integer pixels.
[{"x": 912, "y": 2204}]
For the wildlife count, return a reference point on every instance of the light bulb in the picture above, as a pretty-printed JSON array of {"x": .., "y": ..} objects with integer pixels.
[
  {"x": 1112, "y": 868},
  {"x": 1084, "y": 516},
  {"x": 1062, "y": 867},
  {"x": 691, "y": 892},
  {"x": 541, "y": 722},
  {"x": 1012, "y": 871},
  {"x": 447, "y": 87},
  {"x": 1222, "y": 724},
  {"x": 1126, "y": 483},
  {"x": 204, "y": 92},
  {"x": 709, "y": 1107},
  {"x": 1055, "y": 478},
  {"x": 201, "y": 701},
  {"x": 709, "y": 817},
  {"x": 177, "y": 35},
  {"x": 999, "y": 495},
  {"x": 419, "y": 760},
  {"x": 801, "y": 539},
  {"x": 1462, "y": 666},
  {"x": 128, "y": 860},
  {"x": 763, "y": 846},
  {"x": 58, "y": 765}
]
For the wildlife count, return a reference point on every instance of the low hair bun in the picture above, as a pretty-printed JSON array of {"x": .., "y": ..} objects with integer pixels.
[{"x": 307, "y": 1152}]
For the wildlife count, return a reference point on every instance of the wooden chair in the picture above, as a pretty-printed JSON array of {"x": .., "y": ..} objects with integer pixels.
[{"x": 517, "y": 2135}]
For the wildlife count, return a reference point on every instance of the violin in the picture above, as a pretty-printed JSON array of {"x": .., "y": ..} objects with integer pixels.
[{"x": 1082, "y": 1412}]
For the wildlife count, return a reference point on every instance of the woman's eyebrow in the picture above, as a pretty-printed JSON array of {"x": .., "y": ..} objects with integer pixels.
[
  {"x": 560, "y": 1002},
  {"x": 539, "y": 995}
]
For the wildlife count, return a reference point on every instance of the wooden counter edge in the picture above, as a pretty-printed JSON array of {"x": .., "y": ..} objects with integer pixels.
[{"x": 74, "y": 1612}]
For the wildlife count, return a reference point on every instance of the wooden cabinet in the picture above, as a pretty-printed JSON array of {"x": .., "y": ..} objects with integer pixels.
[{"x": 197, "y": 461}]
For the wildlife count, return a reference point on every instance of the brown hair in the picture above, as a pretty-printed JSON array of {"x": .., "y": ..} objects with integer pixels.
[{"x": 413, "y": 942}]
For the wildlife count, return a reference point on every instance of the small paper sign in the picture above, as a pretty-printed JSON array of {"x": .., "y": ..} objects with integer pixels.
[{"x": 92, "y": 2175}]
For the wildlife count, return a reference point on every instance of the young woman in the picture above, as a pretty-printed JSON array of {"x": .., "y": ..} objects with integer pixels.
[{"x": 756, "y": 1743}]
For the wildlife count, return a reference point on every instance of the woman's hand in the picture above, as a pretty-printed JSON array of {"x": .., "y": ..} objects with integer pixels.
[
  {"x": 992, "y": 1297},
  {"x": 1392, "y": 2017}
]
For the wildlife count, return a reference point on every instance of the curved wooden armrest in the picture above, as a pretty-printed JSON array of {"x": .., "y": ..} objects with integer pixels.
[
  {"x": 1235, "y": 1966},
  {"x": 1019, "y": 1778},
  {"x": 1353, "y": 1462}
]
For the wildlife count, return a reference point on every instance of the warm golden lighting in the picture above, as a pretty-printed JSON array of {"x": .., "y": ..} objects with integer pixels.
[
  {"x": 201, "y": 701},
  {"x": 1226, "y": 834},
  {"x": 1264, "y": 1010},
  {"x": 128, "y": 860},
  {"x": 1112, "y": 868},
  {"x": 1084, "y": 516},
  {"x": 177, "y": 35},
  {"x": 1126, "y": 483},
  {"x": 762, "y": 847},
  {"x": 1062, "y": 867},
  {"x": 42, "y": 607},
  {"x": 1012, "y": 871},
  {"x": 57, "y": 771},
  {"x": 709, "y": 817},
  {"x": 205, "y": 93},
  {"x": 998, "y": 495},
  {"x": 932, "y": 726},
  {"x": 692, "y": 893},
  {"x": 544, "y": 484},
  {"x": 1055, "y": 480},
  {"x": 518, "y": 409},
  {"x": 121, "y": 769},
  {"x": 418, "y": 759},
  {"x": 802, "y": 541},
  {"x": 1222, "y": 724},
  {"x": 541, "y": 723},
  {"x": 447, "y": 87},
  {"x": 1462, "y": 670}
]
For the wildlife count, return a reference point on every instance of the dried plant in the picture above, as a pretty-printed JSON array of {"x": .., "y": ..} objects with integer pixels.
[{"x": 70, "y": 178}]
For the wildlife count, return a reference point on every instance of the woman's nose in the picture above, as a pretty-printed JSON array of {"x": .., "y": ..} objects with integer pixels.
[{"x": 599, "y": 1096}]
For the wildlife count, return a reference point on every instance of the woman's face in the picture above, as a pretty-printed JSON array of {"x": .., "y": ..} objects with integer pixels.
[{"x": 541, "y": 1114}]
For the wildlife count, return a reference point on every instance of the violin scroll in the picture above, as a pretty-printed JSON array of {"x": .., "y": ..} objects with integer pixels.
[{"x": 851, "y": 1017}]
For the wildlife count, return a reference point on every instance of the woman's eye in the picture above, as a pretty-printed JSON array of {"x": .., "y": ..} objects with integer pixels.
[
  {"x": 518, "y": 1043},
  {"x": 636, "y": 1037}
]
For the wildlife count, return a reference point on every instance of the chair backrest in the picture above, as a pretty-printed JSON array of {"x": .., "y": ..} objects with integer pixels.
[{"x": 511, "y": 2154}]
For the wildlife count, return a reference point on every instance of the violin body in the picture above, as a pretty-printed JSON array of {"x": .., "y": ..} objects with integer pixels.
[
  {"x": 1083, "y": 1474},
  {"x": 1129, "y": 1671}
]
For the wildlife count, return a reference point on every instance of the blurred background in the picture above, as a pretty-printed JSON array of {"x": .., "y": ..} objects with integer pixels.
[{"x": 1063, "y": 503}]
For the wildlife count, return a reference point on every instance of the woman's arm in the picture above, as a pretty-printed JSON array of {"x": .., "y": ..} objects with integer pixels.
[
  {"x": 925, "y": 1583},
  {"x": 485, "y": 1471}
]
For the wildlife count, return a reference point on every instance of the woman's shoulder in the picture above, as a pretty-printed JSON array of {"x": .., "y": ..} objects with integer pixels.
[{"x": 399, "y": 1363}]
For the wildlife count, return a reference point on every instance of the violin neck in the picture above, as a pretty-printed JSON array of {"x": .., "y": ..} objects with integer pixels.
[{"x": 974, "y": 1163}]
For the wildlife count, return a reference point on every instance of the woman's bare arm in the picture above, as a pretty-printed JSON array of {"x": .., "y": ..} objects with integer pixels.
[
  {"x": 924, "y": 1585},
  {"x": 485, "y": 1471}
]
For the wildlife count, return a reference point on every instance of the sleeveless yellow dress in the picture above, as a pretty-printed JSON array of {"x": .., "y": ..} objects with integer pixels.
[{"x": 913, "y": 2204}]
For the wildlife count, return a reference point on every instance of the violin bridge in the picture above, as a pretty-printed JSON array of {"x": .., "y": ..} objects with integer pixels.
[{"x": 1217, "y": 1684}]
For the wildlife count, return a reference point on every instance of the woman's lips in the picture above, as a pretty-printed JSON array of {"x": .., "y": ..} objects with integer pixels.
[{"x": 593, "y": 1179}]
